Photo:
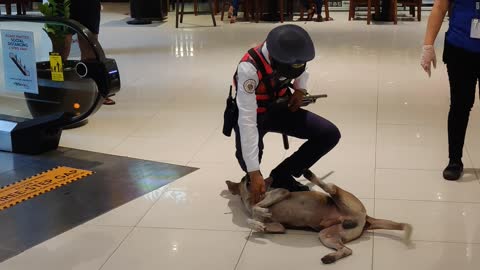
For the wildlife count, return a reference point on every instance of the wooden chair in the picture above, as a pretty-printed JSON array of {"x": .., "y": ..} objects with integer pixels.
[
  {"x": 326, "y": 10},
  {"x": 369, "y": 3},
  {"x": 195, "y": 6},
  {"x": 179, "y": 12},
  {"x": 21, "y": 6},
  {"x": 412, "y": 4},
  {"x": 215, "y": 7},
  {"x": 247, "y": 8}
]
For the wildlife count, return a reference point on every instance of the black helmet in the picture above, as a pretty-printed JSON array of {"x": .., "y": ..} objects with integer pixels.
[{"x": 290, "y": 44}]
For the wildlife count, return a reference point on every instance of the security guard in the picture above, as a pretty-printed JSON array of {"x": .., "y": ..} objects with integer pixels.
[
  {"x": 461, "y": 54},
  {"x": 266, "y": 73}
]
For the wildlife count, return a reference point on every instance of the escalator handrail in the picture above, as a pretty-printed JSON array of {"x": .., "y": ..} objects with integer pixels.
[
  {"x": 79, "y": 28},
  {"x": 82, "y": 117},
  {"x": 82, "y": 31}
]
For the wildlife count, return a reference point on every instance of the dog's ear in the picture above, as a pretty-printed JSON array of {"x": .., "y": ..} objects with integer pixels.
[
  {"x": 268, "y": 182},
  {"x": 234, "y": 188}
]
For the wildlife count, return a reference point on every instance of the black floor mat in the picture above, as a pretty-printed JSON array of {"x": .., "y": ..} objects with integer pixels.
[{"x": 116, "y": 181}]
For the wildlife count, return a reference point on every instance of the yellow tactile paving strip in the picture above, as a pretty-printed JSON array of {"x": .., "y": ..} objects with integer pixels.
[{"x": 38, "y": 184}]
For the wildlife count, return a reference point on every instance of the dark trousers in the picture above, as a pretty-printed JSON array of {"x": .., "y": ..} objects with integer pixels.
[
  {"x": 385, "y": 12},
  {"x": 464, "y": 74},
  {"x": 463, "y": 83},
  {"x": 321, "y": 136},
  {"x": 87, "y": 13}
]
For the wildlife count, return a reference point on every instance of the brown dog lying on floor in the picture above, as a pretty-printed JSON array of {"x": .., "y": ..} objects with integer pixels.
[{"x": 338, "y": 216}]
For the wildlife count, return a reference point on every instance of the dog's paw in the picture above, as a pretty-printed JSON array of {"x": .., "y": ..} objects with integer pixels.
[
  {"x": 407, "y": 238},
  {"x": 329, "y": 259},
  {"x": 261, "y": 212},
  {"x": 349, "y": 224},
  {"x": 256, "y": 225},
  {"x": 274, "y": 228}
]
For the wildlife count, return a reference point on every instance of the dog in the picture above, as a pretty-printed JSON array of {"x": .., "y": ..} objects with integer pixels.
[{"x": 338, "y": 216}]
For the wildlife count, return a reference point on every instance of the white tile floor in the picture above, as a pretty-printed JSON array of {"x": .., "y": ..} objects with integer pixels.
[{"x": 393, "y": 149}]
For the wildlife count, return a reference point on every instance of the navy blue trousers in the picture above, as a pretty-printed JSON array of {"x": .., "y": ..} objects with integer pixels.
[{"x": 320, "y": 134}]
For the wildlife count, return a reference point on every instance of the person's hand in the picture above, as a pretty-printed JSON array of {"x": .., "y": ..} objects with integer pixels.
[
  {"x": 295, "y": 100},
  {"x": 257, "y": 187},
  {"x": 428, "y": 57}
]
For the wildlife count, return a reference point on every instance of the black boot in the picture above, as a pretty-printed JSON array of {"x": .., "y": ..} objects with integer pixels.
[
  {"x": 287, "y": 182},
  {"x": 453, "y": 171}
]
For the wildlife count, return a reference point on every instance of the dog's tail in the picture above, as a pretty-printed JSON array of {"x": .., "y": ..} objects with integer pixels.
[{"x": 376, "y": 224}]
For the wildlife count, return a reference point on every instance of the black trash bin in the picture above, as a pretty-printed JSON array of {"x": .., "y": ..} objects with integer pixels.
[{"x": 146, "y": 11}]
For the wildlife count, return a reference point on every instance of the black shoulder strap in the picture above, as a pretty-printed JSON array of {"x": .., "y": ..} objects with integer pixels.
[
  {"x": 258, "y": 61},
  {"x": 261, "y": 68}
]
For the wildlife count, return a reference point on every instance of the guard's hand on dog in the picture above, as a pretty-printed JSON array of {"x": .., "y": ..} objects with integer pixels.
[
  {"x": 257, "y": 187},
  {"x": 295, "y": 100}
]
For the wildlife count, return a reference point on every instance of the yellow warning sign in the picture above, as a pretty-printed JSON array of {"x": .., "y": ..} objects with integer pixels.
[
  {"x": 56, "y": 65},
  {"x": 28, "y": 188}
]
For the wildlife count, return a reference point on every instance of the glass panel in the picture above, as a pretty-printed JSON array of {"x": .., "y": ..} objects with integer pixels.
[{"x": 34, "y": 83}]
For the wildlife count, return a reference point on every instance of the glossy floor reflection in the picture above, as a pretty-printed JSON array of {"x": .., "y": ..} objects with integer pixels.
[
  {"x": 393, "y": 149},
  {"x": 115, "y": 181}
]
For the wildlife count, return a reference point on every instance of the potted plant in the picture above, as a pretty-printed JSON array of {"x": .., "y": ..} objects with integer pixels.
[
  {"x": 60, "y": 35},
  {"x": 53, "y": 96}
]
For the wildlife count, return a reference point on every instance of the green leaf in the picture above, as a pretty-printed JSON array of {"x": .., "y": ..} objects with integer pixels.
[{"x": 56, "y": 8}]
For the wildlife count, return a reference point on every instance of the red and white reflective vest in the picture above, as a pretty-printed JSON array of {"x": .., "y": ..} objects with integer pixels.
[{"x": 262, "y": 92}]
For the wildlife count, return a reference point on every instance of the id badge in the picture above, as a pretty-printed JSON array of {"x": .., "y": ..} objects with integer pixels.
[{"x": 475, "y": 30}]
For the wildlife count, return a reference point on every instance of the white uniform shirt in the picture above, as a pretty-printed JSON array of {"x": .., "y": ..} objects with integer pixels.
[{"x": 247, "y": 81}]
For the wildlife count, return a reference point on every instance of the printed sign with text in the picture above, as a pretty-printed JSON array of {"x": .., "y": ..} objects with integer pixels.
[{"x": 19, "y": 62}]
